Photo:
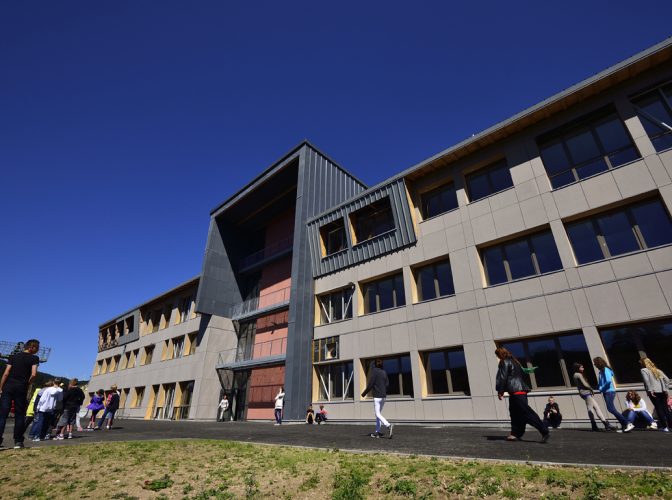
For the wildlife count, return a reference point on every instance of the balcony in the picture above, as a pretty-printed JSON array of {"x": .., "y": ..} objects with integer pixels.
[
  {"x": 108, "y": 345},
  {"x": 273, "y": 251},
  {"x": 253, "y": 354},
  {"x": 262, "y": 304}
]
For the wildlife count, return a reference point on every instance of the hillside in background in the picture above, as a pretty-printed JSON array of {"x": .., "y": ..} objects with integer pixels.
[{"x": 42, "y": 376}]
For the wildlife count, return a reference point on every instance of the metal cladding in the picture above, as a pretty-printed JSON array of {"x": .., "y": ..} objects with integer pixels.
[{"x": 402, "y": 235}]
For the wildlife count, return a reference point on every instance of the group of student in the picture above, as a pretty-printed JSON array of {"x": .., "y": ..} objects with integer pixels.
[
  {"x": 510, "y": 379},
  {"x": 54, "y": 410}
]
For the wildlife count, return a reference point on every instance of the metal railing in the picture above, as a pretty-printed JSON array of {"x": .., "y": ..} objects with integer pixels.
[
  {"x": 267, "y": 252},
  {"x": 261, "y": 302},
  {"x": 249, "y": 352}
]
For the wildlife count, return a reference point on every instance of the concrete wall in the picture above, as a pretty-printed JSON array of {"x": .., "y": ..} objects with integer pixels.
[{"x": 624, "y": 289}]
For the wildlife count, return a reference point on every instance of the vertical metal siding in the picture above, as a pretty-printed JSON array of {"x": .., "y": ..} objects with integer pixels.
[{"x": 403, "y": 235}]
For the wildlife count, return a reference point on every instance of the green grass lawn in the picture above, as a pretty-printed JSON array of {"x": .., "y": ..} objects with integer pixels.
[{"x": 199, "y": 469}]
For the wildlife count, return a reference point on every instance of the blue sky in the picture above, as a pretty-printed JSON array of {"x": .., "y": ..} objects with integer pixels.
[{"x": 123, "y": 123}]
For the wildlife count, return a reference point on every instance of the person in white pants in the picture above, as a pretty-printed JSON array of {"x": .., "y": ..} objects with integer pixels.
[{"x": 378, "y": 383}]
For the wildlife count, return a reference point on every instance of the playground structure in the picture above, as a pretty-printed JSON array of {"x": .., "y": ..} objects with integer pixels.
[{"x": 8, "y": 348}]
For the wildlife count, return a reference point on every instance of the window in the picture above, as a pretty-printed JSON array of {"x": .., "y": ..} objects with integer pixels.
[
  {"x": 655, "y": 111},
  {"x": 178, "y": 347},
  {"x": 446, "y": 372},
  {"x": 528, "y": 256},
  {"x": 133, "y": 359},
  {"x": 372, "y": 220},
  {"x": 626, "y": 229},
  {"x": 335, "y": 306},
  {"x": 398, "y": 369},
  {"x": 434, "y": 280},
  {"x": 149, "y": 352},
  {"x": 626, "y": 344},
  {"x": 586, "y": 149},
  {"x": 99, "y": 367},
  {"x": 489, "y": 180},
  {"x": 130, "y": 324},
  {"x": 325, "y": 349},
  {"x": 551, "y": 359},
  {"x": 167, "y": 313},
  {"x": 138, "y": 396},
  {"x": 185, "y": 308},
  {"x": 384, "y": 294},
  {"x": 335, "y": 381},
  {"x": 125, "y": 360},
  {"x": 438, "y": 201},
  {"x": 192, "y": 340},
  {"x": 333, "y": 237}
]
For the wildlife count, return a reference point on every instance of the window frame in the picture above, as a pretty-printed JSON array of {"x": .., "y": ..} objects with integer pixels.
[
  {"x": 438, "y": 190},
  {"x": 487, "y": 170},
  {"x": 437, "y": 289},
  {"x": 368, "y": 362},
  {"x": 659, "y": 92},
  {"x": 337, "y": 225},
  {"x": 505, "y": 261},
  {"x": 588, "y": 123},
  {"x": 601, "y": 239},
  {"x": 322, "y": 350},
  {"x": 368, "y": 213},
  {"x": 348, "y": 381},
  {"x": 395, "y": 293},
  {"x": 426, "y": 364},
  {"x": 565, "y": 370},
  {"x": 346, "y": 305}
]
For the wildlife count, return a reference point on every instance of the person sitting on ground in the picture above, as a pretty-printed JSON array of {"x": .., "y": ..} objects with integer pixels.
[
  {"x": 321, "y": 415},
  {"x": 552, "y": 415},
  {"x": 636, "y": 409},
  {"x": 97, "y": 403},
  {"x": 73, "y": 397},
  {"x": 310, "y": 415}
]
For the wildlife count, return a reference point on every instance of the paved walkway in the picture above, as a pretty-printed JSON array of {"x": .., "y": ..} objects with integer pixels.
[{"x": 640, "y": 448}]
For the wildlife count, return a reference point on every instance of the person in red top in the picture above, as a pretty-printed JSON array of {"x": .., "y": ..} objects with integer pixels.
[{"x": 510, "y": 379}]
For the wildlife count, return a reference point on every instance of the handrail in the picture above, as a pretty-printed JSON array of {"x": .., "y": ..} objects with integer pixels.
[
  {"x": 274, "y": 248},
  {"x": 248, "y": 352},
  {"x": 265, "y": 300}
]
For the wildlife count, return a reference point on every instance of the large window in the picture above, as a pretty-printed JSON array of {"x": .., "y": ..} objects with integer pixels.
[
  {"x": 184, "y": 308},
  {"x": 550, "y": 359},
  {"x": 532, "y": 255},
  {"x": 333, "y": 237},
  {"x": 335, "y": 306},
  {"x": 325, "y": 349},
  {"x": 626, "y": 344},
  {"x": 438, "y": 200},
  {"x": 149, "y": 353},
  {"x": 655, "y": 111},
  {"x": 626, "y": 229},
  {"x": 489, "y": 180},
  {"x": 384, "y": 294},
  {"x": 434, "y": 280},
  {"x": 398, "y": 369},
  {"x": 335, "y": 381},
  {"x": 446, "y": 372},
  {"x": 588, "y": 148},
  {"x": 372, "y": 220},
  {"x": 178, "y": 347}
]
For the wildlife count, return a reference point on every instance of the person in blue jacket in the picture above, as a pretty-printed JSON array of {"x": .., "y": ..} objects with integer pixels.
[{"x": 605, "y": 384}]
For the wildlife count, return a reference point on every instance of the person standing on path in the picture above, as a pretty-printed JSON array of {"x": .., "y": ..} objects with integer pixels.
[
  {"x": 510, "y": 379},
  {"x": 110, "y": 409},
  {"x": 656, "y": 384},
  {"x": 605, "y": 384},
  {"x": 73, "y": 397},
  {"x": 223, "y": 406},
  {"x": 586, "y": 392},
  {"x": 279, "y": 404},
  {"x": 97, "y": 403},
  {"x": 19, "y": 373},
  {"x": 378, "y": 384}
]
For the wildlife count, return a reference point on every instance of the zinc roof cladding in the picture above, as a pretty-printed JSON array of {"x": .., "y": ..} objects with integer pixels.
[
  {"x": 582, "y": 85},
  {"x": 278, "y": 164},
  {"x": 153, "y": 299}
]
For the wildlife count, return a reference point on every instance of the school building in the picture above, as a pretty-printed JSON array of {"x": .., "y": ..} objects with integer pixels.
[{"x": 548, "y": 233}]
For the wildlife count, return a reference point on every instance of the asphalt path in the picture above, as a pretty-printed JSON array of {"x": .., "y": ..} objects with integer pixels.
[{"x": 639, "y": 448}]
